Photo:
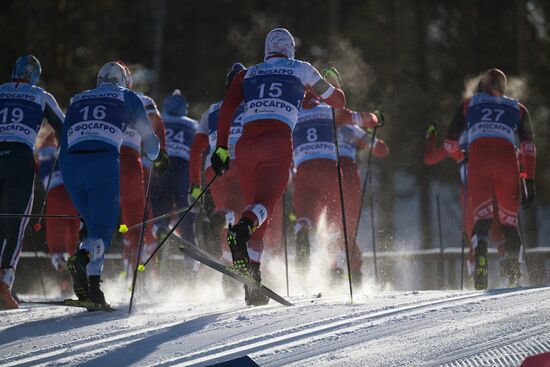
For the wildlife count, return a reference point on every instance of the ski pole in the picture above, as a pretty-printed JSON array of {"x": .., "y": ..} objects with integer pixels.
[
  {"x": 464, "y": 232},
  {"x": 175, "y": 226},
  {"x": 141, "y": 235},
  {"x": 441, "y": 252},
  {"x": 57, "y": 216},
  {"x": 462, "y": 261},
  {"x": 373, "y": 231},
  {"x": 285, "y": 248},
  {"x": 367, "y": 178},
  {"x": 342, "y": 205},
  {"x": 38, "y": 225},
  {"x": 124, "y": 229}
]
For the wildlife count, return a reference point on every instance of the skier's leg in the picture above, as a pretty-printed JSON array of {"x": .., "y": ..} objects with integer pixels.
[
  {"x": 104, "y": 206},
  {"x": 507, "y": 196},
  {"x": 480, "y": 191},
  {"x": 16, "y": 196},
  {"x": 132, "y": 198}
]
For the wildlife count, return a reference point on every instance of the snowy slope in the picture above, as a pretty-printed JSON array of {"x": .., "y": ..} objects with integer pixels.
[{"x": 429, "y": 328}]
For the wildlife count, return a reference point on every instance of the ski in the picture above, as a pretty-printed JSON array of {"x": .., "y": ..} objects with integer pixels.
[
  {"x": 230, "y": 272},
  {"x": 89, "y": 305}
]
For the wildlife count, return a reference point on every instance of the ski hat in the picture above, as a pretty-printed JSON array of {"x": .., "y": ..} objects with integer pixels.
[
  {"x": 493, "y": 79},
  {"x": 27, "y": 68},
  {"x": 234, "y": 70},
  {"x": 279, "y": 41},
  {"x": 128, "y": 73},
  {"x": 115, "y": 74},
  {"x": 175, "y": 104}
]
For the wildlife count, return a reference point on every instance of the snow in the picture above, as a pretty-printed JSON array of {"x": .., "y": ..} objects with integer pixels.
[{"x": 425, "y": 328}]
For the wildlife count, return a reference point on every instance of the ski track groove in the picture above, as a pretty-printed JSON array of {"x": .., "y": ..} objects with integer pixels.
[
  {"x": 316, "y": 330},
  {"x": 80, "y": 343},
  {"x": 269, "y": 344},
  {"x": 93, "y": 344}
]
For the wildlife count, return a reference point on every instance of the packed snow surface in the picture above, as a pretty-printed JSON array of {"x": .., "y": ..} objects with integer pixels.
[{"x": 380, "y": 328}]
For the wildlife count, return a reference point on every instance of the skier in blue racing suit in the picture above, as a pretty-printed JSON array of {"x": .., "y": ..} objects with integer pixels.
[
  {"x": 90, "y": 145},
  {"x": 23, "y": 106}
]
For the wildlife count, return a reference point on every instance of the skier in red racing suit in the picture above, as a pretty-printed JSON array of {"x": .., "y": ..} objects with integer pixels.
[
  {"x": 272, "y": 92},
  {"x": 492, "y": 121}
]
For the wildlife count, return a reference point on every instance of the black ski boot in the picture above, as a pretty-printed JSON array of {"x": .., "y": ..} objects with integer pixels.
[
  {"x": 302, "y": 250},
  {"x": 512, "y": 270},
  {"x": 77, "y": 268},
  {"x": 96, "y": 294},
  {"x": 237, "y": 238},
  {"x": 481, "y": 277},
  {"x": 251, "y": 296}
]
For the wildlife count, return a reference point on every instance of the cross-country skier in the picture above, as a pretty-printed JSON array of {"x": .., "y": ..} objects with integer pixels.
[
  {"x": 62, "y": 234},
  {"x": 226, "y": 190},
  {"x": 90, "y": 147},
  {"x": 272, "y": 92},
  {"x": 492, "y": 121},
  {"x": 172, "y": 186},
  {"x": 434, "y": 155},
  {"x": 316, "y": 183},
  {"x": 133, "y": 182},
  {"x": 23, "y": 106}
]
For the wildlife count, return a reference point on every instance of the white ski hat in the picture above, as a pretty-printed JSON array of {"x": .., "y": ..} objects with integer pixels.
[
  {"x": 113, "y": 73},
  {"x": 279, "y": 42}
]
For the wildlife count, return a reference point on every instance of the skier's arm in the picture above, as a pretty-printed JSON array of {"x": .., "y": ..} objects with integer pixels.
[
  {"x": 380, "y": 149},
  {"x": 140, "y": 122},
  {"x": 366, "y": 120},
  {"x": 458, "y": 124},
  {"x": 433, "y": 155},
  {"x": 232, "y": 100},
  {"x": 53, "y": 114},
  {"x": 314, "y": 82},
  {"x": 158, "y": 127},
  {"x": 527, "y": 143},
  {"x": 334, "y": 97}
]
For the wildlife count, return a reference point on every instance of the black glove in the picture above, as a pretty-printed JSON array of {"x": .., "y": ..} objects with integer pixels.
[
  {"x": 220, "y": 160},
  {"x": 162, "y": 162},
  {"x": 380, "y": 117},
  {"x": 528, "y": 192}
]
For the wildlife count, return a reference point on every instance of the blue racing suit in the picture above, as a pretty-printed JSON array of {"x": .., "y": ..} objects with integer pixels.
[{"x": 90, "y": 144}]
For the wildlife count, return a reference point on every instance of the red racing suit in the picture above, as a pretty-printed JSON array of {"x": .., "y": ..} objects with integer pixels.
[
  {"x": 133, "y": 184},
  {"x": 492, "y": 123},
  {"x": 272, "y": 92},
  {"x": 61, "y": 234}
]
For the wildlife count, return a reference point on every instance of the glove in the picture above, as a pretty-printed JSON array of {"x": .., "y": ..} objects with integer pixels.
[
  {"x": 528, "y": 193},
  {"x": 220, "y": 160},
  {"x": 380, "y": 116},
  {"x": 162, "y": 162},
  {"x": 194, "y": 192},
  {"x": 432, "y": 130},
  {"x": 332, "y": 76}
]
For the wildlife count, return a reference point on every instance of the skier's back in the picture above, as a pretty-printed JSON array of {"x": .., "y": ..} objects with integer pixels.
[{"x": 272, "y": 91}]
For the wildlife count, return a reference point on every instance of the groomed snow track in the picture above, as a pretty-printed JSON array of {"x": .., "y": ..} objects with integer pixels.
[{"x": 439, "y": 328}]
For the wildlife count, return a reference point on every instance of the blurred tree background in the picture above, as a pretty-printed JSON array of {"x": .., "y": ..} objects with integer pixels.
[{"x": 410, "y": 58}]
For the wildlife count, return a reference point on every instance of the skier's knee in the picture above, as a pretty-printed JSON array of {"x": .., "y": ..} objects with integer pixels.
[{"x": 482, "y": 227}]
